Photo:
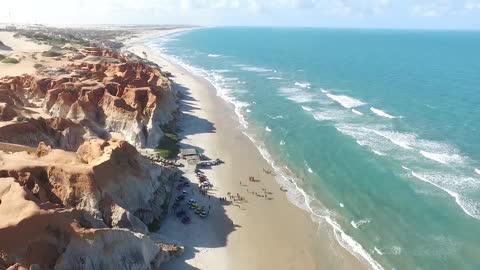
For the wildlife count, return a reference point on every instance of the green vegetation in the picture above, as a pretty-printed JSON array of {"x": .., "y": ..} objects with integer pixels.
[
  {"x": 51, "y": 53},
  {"x": 10, "y": 60},
  {"x": 37, "y": 66},
  {"x": 155, "y": 225},
  {"x": 168, "y": 146},
  {"x": 2, "y": 56},
  {"x": 157, "y": 222}
]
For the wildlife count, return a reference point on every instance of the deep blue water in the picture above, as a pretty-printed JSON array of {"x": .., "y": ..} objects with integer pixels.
[{"x": 380, "y": 128}]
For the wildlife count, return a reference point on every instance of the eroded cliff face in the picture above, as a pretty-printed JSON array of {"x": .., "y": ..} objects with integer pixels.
[
  {"x": 82, "y": 210},
  {"x": 74, "y": 191},
  {"x": 130, "y": 98}
]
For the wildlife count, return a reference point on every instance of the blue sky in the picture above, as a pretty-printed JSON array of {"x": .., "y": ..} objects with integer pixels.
[{"x": 436, "y": 14}]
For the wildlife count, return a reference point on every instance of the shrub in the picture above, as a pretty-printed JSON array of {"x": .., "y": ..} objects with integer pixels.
[
  {"x": 37, "y": 66},
  {"x": 2, "y": 56},
  {"x": 10, "y": 60},
  {"x": 168, "y": 146},
  {"x": 51, "y": 54}
]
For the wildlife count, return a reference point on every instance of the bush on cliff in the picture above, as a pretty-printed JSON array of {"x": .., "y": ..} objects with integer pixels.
[
  {"x": 168, "y": 146},
  {"x": 10, "y": 60},
  {"x": 51, "y": 54},
  {"x": 2, "y": 56}
]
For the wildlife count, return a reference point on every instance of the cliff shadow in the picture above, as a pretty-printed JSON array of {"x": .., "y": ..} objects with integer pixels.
[
  {"x": 201, "y": 234},
  {"x": 190, "y": 123}
]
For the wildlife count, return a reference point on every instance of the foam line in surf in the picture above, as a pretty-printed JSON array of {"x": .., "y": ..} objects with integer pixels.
[
  {"x": 305, "y": 85},
  {"x": 296, "y": 95},
  {"x": 359, "y": 223},
  {"x": 442, "y": 158},
  {"x": 306, "y": 108},
  {"x": 356, "y": 112},
  {"x": 382, "y": 113},
  {"x": 345, "y": 101},
  {"x": 477, "y": 171},
  {"x": 391, "y": 137},
  {"x": 213, "y": 55},
  {"x": 378, "y": 251},
  {"x": 453, "y": 194}
]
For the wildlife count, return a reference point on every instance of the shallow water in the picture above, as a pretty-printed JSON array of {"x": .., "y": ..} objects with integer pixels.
[{"x": 378, "y": 130}]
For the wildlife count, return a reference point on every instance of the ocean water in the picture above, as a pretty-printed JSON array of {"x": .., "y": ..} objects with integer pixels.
[{"x": 376, "y": 133}]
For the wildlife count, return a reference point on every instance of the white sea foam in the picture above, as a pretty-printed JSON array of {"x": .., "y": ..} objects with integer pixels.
[
  {"x": 326, "y": 115},
  {"x": 268, "y": 129},
  {"x": 324, "y": 91},
  {"x": 213, "y": 55},
  {"x": 342, "y": 205},
  {"x": 345, "y": 101},
  {"x": 248, "y": 110},
  {"x": 382, "y": 113},
  {"x": 470, "y": 208},
  {"x": 442, "y": 158},
  {"x": 361, "y": 143},
  {"x": 406, "y": 168},
  {"x": 477, "y": 171},
  {"x": 282, "y": 142},
  {"x": 276, "y": 117},
  {"x": 396, "y": 250},
  {"x": 359, "y": 223},
  {"x": 305, "y": 85},
  {"x": 306, "y": 108},
  {"x": 379, "y": 252},
  {"x": 254, "y": 69},
  {"x": 296, "y": 95},
  {"x": 222, "y": 70},
  {"x": 397, "y": 138},
  {"x": 378, "y": 153},
  {"x": 356, "y": 112},
  {"x": 275, "y": 78}
]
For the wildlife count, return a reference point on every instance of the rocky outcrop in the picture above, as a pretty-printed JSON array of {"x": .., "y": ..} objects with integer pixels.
[
  {"x": 82, "y": 210},
  {"x": 56, "y": 132},
  {"x": 129, "y": 98},
  {"x": 72, "y": 195}
]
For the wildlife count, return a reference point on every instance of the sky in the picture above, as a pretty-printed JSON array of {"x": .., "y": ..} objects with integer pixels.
[{"x": 410, "y": 14}]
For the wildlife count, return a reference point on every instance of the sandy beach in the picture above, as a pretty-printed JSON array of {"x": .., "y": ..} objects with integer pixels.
[{"x": 258, "y": 233}]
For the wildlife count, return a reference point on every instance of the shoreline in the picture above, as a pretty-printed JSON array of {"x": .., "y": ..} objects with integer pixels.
[{"x": 217, "y": 116}]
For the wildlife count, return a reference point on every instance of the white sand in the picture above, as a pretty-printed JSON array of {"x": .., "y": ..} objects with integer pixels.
[
  {"x": 21, "y": 49},
  {"x": 258, "y": 234}
]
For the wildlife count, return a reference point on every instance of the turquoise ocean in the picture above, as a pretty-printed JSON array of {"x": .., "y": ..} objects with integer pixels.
[{"x": 375, "y": 132}]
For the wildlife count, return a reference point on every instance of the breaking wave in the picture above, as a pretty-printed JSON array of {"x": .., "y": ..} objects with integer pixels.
[
  {"x": 305, "y": 85},
  {"x": 359, "y": 223},
  {"x": 442, "y": 158},
  {"x": 382, "y": 113},
  {"x": 356, "y": 112},
  {"x": 345, "y": 101}
]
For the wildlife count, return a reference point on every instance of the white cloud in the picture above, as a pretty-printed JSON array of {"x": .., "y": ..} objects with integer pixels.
[
  {"x": 358, "y": 7},
  {"x": 432, "y": 9},
  {"x": 471, "y": 5}
]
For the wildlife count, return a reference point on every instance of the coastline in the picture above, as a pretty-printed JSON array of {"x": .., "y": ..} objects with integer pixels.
[{"x": 266, "y": 234}]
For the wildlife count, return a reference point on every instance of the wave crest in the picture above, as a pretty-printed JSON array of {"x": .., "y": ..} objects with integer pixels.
[{"x": 345, "y": 101}]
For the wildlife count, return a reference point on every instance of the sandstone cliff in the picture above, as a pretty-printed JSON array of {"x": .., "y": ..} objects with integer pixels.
[
  {"x": 74, "y": 191},
  {"x": 67, "y": 210},
  {"x": 130, "y": 98}
]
